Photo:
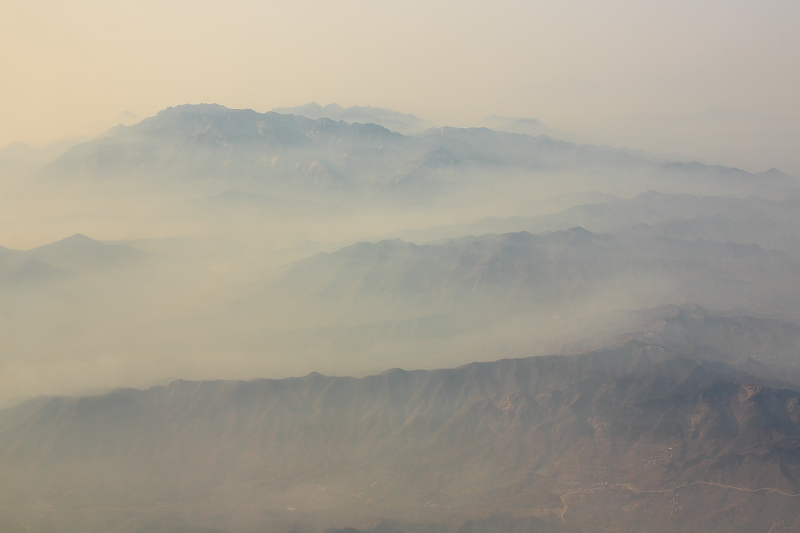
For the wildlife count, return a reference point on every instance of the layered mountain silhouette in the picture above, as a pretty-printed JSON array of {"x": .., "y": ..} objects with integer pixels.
[
  {"x": 370, "y": 305},
  {"x": 643, "y": 435},
  {"x": 634, "y": 319}
]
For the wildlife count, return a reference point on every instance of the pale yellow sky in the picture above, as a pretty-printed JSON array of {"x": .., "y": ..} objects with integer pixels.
[{"x": 70, "y": 67}]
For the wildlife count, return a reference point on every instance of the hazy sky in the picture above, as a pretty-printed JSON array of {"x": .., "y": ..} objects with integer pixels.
[{"x": 71, "y": 67}]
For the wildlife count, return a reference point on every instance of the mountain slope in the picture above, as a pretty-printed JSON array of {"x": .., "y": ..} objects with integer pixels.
[{"x": 571, "y": 440}]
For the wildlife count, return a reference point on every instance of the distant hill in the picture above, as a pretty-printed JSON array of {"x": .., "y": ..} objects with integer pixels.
[
  {"x": 612, "y": 439},
  {"x": 81, "y": 254},
  {"x": 76, "y": 255}
]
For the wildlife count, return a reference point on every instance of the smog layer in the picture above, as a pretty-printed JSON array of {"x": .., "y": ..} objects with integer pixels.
[{"x": 329, "y": 318}]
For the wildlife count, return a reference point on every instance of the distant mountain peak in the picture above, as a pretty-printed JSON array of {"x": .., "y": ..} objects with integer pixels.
[
  {"x": 357, "y": 146},
  {"x": 80, "y": 253},
  {"x": 404, "y": 123},
  {"x": 194, "y": 109},
  {"x": 76, "y": 240},
  {"x": 779, "y": 174},
  {"x": 526, "y": 125}
]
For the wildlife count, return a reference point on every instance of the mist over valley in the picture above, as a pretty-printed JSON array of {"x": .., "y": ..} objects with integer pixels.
[{"x": 326, "y": 318}]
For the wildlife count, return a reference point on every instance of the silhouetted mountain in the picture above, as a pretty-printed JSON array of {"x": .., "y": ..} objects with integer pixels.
[
  {"x": 673, "y": 419},
  {"x": 609, "y": 439}
]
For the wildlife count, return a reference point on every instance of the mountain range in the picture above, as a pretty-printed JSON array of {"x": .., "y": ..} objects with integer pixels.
[
  {"x": 578, "y": 338},
  {"x": 517, "y": 272},
  {"x": 643, "y": 435},
  {"x": 294, "y": 154}
]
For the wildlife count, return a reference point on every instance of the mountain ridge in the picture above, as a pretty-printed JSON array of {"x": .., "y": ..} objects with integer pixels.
[
  {"x": 209, "y": 141},
  {"x": 466, "y": 440},
  {"x": 404, "y": 123},
  {"x": 526, "y": 270}
]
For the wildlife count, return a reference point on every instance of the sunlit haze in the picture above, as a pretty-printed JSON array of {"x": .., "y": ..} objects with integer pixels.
[{"x": 714, "y": 80}]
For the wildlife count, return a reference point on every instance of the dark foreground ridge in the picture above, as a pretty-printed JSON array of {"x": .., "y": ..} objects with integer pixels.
[{"x": 647, "y": 436}]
